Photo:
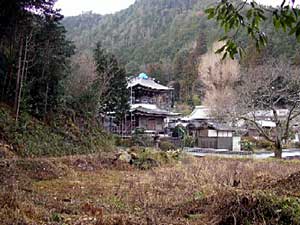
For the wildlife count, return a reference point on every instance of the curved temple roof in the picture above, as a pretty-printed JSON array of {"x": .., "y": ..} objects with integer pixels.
[
  {"x": 199, "y": 113},
  {"x": 148, "y": 83}
]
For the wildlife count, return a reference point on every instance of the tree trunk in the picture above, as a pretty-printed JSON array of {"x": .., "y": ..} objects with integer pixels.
[
  {"x": 46, "y": 101},
  {"x": 278, "y": 149},
  {"x": 19, "y": 73},
  {"x": 2, "y": 98},
  {"x": 22, "y": 79}
]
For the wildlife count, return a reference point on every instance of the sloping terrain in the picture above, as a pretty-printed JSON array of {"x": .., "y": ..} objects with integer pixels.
[{"x": 63, "y": 134}]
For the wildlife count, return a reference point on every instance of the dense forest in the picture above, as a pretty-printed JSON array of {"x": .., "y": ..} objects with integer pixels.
[
  {"x": 40, "y": 105},
  {"x": 165, "y": 38}
]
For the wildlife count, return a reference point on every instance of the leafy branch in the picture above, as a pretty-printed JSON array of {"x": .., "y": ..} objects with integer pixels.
[{"x": 249, "y": 17}]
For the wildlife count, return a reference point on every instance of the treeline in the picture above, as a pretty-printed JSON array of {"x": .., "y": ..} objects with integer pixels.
[
  {"x": 52, "y": 101},
  {"x": 35, "y": 62},
  {"x": 34, "y": 56},
  {"x": 165, "y": 38}
]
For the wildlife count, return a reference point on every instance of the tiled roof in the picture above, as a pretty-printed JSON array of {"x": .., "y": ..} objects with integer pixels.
[
  {"x": 149, "y": 83},
  {"x": 155, "y": 111},
  {"x": 211, "y": 125},
  {"x": 199, "y": 113}
]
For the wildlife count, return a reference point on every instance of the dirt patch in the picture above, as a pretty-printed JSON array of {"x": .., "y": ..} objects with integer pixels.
[
  {"x": 96, "y": 162},
  {"x": 26, "y": 170}
]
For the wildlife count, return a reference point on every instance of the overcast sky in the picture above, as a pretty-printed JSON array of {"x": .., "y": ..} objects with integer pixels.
[{"x": 76, "y": 7}]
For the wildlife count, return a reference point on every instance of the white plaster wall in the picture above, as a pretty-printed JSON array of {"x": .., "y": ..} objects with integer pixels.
[
  {"x": 236, "y": 143},
  {"x": 212, "y": 133}
]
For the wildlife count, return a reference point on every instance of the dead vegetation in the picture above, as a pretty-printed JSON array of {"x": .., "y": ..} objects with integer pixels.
[{"x": 102, "y": 190}]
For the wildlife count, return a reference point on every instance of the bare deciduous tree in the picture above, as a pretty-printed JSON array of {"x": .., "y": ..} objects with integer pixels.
[
  {"x": 266, "y": 87},
  {"x": 219, "y": 77},
  {"x": 83, "y": 74},
  {"x": 269, "y": 87}
]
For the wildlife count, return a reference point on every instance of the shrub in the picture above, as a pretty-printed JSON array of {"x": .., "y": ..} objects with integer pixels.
[
  {"x": 127, "y": 143},
  {"x": 258, "y": 208},
  {"x": 264, "y": 144},
  {"x": 166, "y": 146},
  {"x": 145, "y": 160},
  {"x": 179, "y": 131},
  {"x": 248, "y": 143},
  {"x": 188, "y": 141}
]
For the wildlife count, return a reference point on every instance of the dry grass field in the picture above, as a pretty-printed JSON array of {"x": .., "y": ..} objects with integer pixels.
[{"x": 101, "y": 190}]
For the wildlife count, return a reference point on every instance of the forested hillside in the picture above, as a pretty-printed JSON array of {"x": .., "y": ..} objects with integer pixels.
[
  {"x": 41, "y": 110},
  {"x": 146, "y": 32},
  {"x": 164, "y": 38}
]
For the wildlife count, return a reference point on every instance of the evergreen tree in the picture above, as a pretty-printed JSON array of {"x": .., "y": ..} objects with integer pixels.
[
  {"x": 33, "y": 55},
  {"x": 110, "y": 84},
  {"x": 45, "y": 79}
]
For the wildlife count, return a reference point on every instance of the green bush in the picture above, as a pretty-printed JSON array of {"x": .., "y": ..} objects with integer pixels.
[
  {"x": 166, "y": 146},
  {"x": 264, "y": 144},
  {"x": 146, "y": 160},
  {"x": 247, "y": 145},
  {"x": 188, "y": 141},
  {"x": 128, "y": 142},
  {"x": 179, "y": 131},
  {"x": 260, "y": 208}
]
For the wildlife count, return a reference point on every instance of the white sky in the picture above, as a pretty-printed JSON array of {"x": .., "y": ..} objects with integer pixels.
[{"x": 76, "y": 7}]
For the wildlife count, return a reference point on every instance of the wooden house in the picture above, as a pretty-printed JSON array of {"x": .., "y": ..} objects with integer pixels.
[
  {"x": 208, "y": 133},
  {"x": 265, "y": 120},
  {"x": 151, "y": 104}
]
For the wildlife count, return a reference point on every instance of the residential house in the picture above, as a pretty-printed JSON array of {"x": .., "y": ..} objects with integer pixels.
[
  {"x": 265, "y": 120},
  {"x": 209, "y": 133}
]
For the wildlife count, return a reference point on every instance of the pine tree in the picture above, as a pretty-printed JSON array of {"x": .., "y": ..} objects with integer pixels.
[{"x": 111, "y": 83}]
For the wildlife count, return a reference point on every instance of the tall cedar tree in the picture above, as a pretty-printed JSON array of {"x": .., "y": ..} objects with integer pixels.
[
  {"x": 33, "y": 55},
  {"x": 45, "y": 80},
  {"x": 111, "y": 83}
]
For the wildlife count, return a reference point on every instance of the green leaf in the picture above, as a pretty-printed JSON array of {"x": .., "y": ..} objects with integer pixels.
[
  {"x": 249, "y": 13},
  {"x": 221, "y": 49},
  {"x": 210, "y": 16},
  {"x": 210, "y": 10},
  {"x": 298, "y": 34},
  {"x": 276, "y": 23},
  {"x": 223, "y": 38},
  {"x": 224, "y": 55}
]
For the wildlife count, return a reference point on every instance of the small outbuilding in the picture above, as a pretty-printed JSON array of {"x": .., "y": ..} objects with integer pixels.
[{"x": 212, "y": 135}]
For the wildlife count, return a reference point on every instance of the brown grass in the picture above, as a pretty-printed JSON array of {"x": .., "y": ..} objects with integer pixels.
[{"x": 97, "y": 190}]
